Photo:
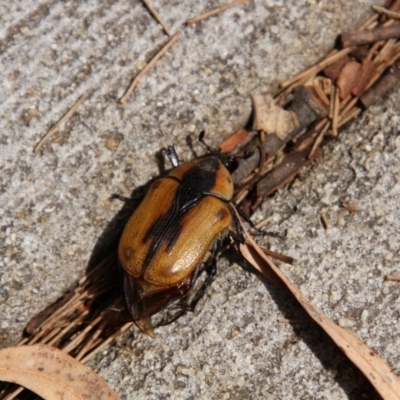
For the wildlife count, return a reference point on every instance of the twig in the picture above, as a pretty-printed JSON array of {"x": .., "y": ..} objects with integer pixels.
[
  {"x": 324, "y": 219},
  {"x": 390, "y": 14},
  {"x": 350, "y": 207},
  {"x": 318, "y": 140},
  {"x": 331, "y": 57},
  {"x": 346, "y": 118},
  {"x": 55, "y": 127},
  {"x": 381, "y": 87},
  {"x": 335, "y": 116},
  {"x": 157, "y": 16},
  {"x": 278, "y": 256},
  {"x": 332, "y": 103},
  {"x": 350, "y": 39},
  {"x": 215, "y": 11},
  {"x": 263, "y": 222},
  {"x": 135, "y": 81},
  {"x": 335, "y": 55},
  {"x": 106, "y": 342},
  {"x": 348, "y": 107},
  {"x": 296, "y": 320},
  {"x": 392, "y": 278}
]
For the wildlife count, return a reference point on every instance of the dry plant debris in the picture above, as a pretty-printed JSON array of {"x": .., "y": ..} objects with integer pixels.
[
  {"x": 56, "y": 126},
  {"x": 320, "y": 99},
  {"x": 157, "y": 16},
  {"x": 215, "y": 11},
  {"x": 171, "y": 41},
  {"x": 392, "y": 278},
  {"x": 370, "y": 364},
  {"x": 52, "y": 374},
  {"x": 316, "y": 102},
  {"x": 144, "y": 71}
]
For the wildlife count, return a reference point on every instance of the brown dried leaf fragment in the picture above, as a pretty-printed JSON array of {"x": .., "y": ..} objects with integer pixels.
[
  {"x": 347, "y": 78},
  {"x": 366, "y": 74},
  {"x": 370, "y": 364},
  {"x": 272, "y": 119},
  {"x": 333, "y": 71},
  {"x": 237, "y": 141},
  {"x": 52, "y": 374}
]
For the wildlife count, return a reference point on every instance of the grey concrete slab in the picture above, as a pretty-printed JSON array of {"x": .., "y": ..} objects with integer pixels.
[{"x": 55, "y": 206}]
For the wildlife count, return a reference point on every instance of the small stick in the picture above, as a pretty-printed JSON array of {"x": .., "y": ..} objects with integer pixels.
[
  {"x": 324, "y": 219},
  {"x": 344, "y": 102},
  {"x": 74, "y": 322},
  {"x": 296, "y": 320},
  {"x": 78, "y": 338},
  {"x": 240, "y": 196},
  {"x": 335, "y": 55},
  {"x": 385, "y": 52},
  {"x": 346, "y": 118},
  {"x": 320, "y": 92},
  {"x": 318, "y": 140},
  {"x": 335, "y": 116},
  {"x": 332, "y": 103},
  {"x": 350, "y": 39},
  {"x": 349, "y": 106},
  {"x": 392, "y": 278},
  {"x": 92, "y": 339},
  {"x": 390, "y": 14},
  {"x": 278, "y": 256},
  {"x": 15, "y": 393},
  {"x": 106, "y": 342},
  {"x": 157, "y": 16},
  {"x": 55, "y": 127},
  {"x": 49, "y": 334},
  {"x": 381, "y": 87},
  {"x": 351, "y": 208},
  {"x": 135, "y": 81},
  {"x": 369, "y": 23},
  {"x": 394, "y": 59},
  {"x": 263, "y": 222},
  {"x": 215, "y": 11}
]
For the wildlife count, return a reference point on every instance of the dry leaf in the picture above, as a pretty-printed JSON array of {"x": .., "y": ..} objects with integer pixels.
[
  {"x": 236, "y": 141},
  {"x": 52, "y": 374},
  {"x": 366, "y": 74},
  {"x": 332, "y": 71},
  {"x": 370, "y": 364},
  {"x": 348, "y": 78},
  {"x": 272, "y": 119}
]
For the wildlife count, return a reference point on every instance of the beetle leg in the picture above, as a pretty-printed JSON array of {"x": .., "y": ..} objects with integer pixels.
[
  {"x": 258, "y": 231},
  {"x": 135, "y": 306},
  {"x": 116, "y": 196},
  {"x": 211, "y": 270},
  {"x": 238, "y": 226},
  {"x": 172, "y": 156},
  {"x": 274, "y": 234}
]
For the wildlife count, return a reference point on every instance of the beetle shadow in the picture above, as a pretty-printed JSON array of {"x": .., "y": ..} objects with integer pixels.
[
  {"x": 107, "y": 242},
  {"x": 103, "y": 266},
  {"x": 345, "y": 373}
]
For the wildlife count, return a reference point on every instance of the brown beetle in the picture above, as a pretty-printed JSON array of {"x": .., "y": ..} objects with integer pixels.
[{"x": 166, "y": 240}]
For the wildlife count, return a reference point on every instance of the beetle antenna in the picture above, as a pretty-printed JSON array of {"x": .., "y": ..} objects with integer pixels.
[
  {"x": 202, "y": 141},
  {"x": 247, "y": 154}
]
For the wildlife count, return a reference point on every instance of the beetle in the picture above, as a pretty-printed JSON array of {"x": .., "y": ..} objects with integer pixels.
[{"x": 165, "y": 243}]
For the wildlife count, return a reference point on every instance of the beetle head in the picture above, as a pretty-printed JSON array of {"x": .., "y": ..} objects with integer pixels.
[{"x": 229, "y": 161}]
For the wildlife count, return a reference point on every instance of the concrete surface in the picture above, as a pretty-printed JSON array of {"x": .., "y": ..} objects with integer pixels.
[{"x": 55, "y": 207}]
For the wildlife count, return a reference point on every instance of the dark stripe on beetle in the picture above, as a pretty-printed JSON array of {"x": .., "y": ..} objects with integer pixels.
[
  {"x": 167, "y": 228},
  {"x": 193, "y": 186}
]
